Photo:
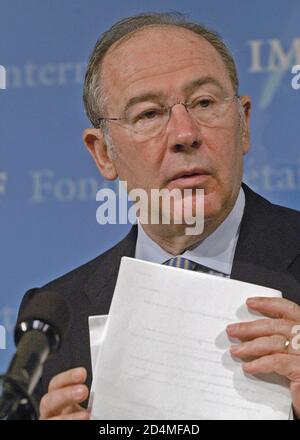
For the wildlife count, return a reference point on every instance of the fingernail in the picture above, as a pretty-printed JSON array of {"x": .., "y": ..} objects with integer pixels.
[
  {"x": 78, "y": 392},
  {"x": 231, "y": 328},
  {"x": 77, "y": 375}
]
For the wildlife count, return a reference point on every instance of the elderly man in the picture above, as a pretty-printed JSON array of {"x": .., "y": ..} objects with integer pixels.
[{"x": 162, "y": 95}]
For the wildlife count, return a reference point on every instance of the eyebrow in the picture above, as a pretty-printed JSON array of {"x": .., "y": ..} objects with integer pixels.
[
  {"x": 199, "y": 82},
  {"x": 188, "y": 88},
  {"x": 142, "y": 98}
]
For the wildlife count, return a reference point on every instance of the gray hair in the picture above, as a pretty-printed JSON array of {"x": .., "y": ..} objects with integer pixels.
[{"x": 93, "y": 96}]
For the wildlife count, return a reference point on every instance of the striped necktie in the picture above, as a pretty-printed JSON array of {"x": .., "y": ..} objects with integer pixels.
[{"x": 184, "y": 263}]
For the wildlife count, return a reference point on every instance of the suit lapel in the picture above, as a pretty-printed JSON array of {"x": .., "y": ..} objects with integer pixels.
[
  {"x": 99, "y": 290},
  {"x": 265, "y": 248},
  {"x": 100, "y": 286}
]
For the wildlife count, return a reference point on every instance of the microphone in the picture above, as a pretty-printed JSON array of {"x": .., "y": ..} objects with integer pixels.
[{"x": 39, "y": 330}]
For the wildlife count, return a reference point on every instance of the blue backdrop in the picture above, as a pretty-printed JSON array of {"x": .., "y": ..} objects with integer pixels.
[{"x": 47, "y": 179}]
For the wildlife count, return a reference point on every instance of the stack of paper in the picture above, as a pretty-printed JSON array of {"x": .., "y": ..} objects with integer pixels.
[{"x": 166, "y": 352}]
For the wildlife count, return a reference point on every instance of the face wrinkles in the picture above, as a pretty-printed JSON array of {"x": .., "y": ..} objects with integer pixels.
[
  {"x": 164, "y": 63},
  {"x": 142, "y": 84},
  {"x": 206, "y": 85},
  {"x": 154, "y": 70}
]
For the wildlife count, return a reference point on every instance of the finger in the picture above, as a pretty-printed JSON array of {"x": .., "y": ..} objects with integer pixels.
[
  {"x": 262, "y": 347},
  {"x": 63, "y": 400},
  {"x": 295, "y": 393},
  {"x": 80, "y": 415},
  {"x": 275, "y": 307},
  {"x": 283, "y": 364},
  {"x": 246, "y": 331},
  {"x": 46, "y": 415},
  {"x": 69, "y": 377}
]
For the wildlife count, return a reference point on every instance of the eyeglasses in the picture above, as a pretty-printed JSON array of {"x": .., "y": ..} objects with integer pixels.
[{"x": 152, "y": 120}]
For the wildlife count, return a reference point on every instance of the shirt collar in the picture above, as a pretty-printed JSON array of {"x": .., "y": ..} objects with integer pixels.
[{"x": 216, "y": 251}]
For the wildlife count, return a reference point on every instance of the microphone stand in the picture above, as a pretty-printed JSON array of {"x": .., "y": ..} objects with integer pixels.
[{"x": 15, "y": 401}]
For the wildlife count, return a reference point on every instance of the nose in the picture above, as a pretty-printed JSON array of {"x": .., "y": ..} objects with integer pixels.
[{"x": 182, "y": 130}]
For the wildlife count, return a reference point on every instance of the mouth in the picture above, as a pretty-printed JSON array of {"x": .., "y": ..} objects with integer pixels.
[{"x": 194, "y": 178}]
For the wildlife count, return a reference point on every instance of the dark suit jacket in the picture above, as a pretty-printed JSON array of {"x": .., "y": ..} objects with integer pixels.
[{"x": 267, "y": 253}]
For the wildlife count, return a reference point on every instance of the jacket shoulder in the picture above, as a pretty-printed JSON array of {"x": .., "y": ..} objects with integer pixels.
[
  {"x": 72, "y": 284},
  {"x": 272, "y": 212}
]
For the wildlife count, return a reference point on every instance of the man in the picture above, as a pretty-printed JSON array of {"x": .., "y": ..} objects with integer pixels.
[{"x": 162, "y": 95}]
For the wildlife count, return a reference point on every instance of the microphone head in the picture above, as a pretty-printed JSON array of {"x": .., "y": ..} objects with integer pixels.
[{"x": 48, "y": 307}]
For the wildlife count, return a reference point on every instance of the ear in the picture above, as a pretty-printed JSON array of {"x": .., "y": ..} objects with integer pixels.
[
  {"x": 246, "y": 104},
  {"x": 94, "y": 141}
]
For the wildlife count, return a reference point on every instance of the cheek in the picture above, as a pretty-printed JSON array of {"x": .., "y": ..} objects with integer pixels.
[
  {"x": 226, "y": 156},
  {"x": 137, "y": 165},
  {"x": 224, "y": 152}
]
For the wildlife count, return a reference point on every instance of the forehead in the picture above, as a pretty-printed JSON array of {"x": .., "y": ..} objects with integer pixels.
[{"x": 159, "y": 57}]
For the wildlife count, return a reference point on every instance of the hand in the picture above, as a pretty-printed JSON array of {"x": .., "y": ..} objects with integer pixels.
[
  {"x": 66, "y": 390},
  {"x": 263, "y": 346}
]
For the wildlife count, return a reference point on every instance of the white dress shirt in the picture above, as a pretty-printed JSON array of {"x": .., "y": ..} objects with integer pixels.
[{"x": 215, "y": 252}]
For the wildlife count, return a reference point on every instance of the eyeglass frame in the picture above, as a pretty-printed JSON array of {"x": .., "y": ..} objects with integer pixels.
[{"x": 186, "y": 105}]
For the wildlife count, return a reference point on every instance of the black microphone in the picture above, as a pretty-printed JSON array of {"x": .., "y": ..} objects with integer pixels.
[{"x": 38, "y": 333}]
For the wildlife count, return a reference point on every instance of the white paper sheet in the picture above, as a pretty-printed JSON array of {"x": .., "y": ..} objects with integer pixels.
[
  {"x": 165, "y": 353},
  {"x": 97, "y": 330}
]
